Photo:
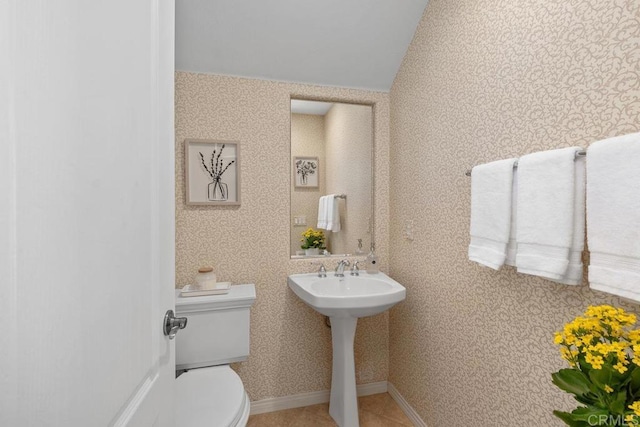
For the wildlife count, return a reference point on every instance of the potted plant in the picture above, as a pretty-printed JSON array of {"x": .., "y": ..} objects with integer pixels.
[
  {"x": 603, "y": 353},
  {"x": 312, "y": 241}
]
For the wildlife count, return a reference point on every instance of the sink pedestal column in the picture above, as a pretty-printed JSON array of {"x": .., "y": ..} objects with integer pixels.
[{"x": 343, "y": 405}]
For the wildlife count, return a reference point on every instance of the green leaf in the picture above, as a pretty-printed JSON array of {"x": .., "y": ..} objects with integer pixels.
[
  {"x": 634, "y": 384},
  {"x": 584, "y": 366},
  {"x": 605, "y": 376},
  {"x": 590, "y": 414},
  {"x": 589, "y": 399},
  {"x": 568, "y": 419},
  {"x": 618, "y": 405},
  {"x": 571, "y": 381}
]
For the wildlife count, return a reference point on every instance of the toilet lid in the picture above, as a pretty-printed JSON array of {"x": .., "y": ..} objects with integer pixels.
[{"x": 212, "y": 397}]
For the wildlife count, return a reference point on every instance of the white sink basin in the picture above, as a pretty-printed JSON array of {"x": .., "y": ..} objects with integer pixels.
[
  {"x": 352, "y": 296},
  {"x": 345, "y": 299}
]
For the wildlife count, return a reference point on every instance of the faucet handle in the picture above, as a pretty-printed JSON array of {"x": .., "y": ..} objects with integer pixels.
[
  {"x": 355, "y": 271},
  {"x": 322, "y": 271}
]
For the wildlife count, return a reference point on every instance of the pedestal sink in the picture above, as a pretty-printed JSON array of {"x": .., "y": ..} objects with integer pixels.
[{"x": 344, "y": 300}]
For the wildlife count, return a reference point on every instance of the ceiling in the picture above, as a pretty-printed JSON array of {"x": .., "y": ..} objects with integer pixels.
[
  {"x": 345, "y": 43},
  {"x": 317, "y": 108}
]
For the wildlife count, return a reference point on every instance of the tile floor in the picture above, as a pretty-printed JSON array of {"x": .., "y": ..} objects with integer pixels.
[{"x": 376, "y": 410}]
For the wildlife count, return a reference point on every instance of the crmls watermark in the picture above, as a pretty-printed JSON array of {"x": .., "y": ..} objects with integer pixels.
[{"x": 608, "y": 420}]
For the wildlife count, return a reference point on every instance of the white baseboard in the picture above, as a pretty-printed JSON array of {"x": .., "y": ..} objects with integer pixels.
[
  {"x": 371, "y": 388},
  {"x": 404, "y": 405},
  {"x": 311, "y": 398}
]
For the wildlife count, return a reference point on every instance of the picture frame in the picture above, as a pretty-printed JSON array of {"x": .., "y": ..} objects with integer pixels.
[
  {"x": 306, "y": 172},
  {"x": 212, "y": 172}
]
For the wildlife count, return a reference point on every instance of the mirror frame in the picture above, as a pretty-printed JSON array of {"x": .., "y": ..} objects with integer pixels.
[{"x": 338, "y": 100}]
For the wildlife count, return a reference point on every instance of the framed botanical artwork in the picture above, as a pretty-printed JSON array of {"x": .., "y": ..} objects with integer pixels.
[
  {"x": 212, "y": 172},
  {"x": 306, "y": 172}
]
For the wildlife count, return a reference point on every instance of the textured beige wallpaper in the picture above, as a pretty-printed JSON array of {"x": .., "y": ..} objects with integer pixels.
[
  {"x": 348, "y": 166},
  {"x": 307, "y": 139},
  {"x": 290, "y": 345},
  {"x": 485, "y": 80}
]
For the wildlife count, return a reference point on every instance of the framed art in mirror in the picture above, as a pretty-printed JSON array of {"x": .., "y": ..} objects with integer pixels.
[
  {"x": 307, "y": 171},
  {"x": 212, "y": 172}
]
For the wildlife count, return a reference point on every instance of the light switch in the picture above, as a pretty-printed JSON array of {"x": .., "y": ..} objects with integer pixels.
[{"x": 299, "y": 220}]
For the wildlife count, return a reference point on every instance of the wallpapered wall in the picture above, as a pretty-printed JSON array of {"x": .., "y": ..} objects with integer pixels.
[
  {"x": 485, "y": 80},
  {"x": 307, "y": 139},
  {"x": 290, "y": 345},
  {"x": 348, "y": 136}
]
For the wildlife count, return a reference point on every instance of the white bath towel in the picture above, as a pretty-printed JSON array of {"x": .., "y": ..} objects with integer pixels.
[
  {"x": 333, "y": 213},
  {"x": 573, "y": 275},
  {"x": 512, "y": 246},
  {"x": 491, "y": 191},
  {"x": 613, "y": 215},
  {"x": 322, "y": 213},
  {"x": 546, "y": 202}
]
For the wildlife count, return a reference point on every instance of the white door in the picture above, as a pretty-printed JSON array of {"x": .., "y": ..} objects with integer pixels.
[{"x": 86, "y": 212}]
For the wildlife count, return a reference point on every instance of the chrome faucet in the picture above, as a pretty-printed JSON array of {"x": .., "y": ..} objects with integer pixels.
[
  {"x": 355, "y": 271},
  {"x": 340, "y": 268}
]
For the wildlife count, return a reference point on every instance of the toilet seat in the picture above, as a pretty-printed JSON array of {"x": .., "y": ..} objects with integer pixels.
[{"x": 211, "y": 397}]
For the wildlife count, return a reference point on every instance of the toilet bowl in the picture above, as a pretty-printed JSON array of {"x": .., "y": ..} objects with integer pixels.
[
  {"x": 212, "y": 396},
  {"x": 208, "y": 392}
]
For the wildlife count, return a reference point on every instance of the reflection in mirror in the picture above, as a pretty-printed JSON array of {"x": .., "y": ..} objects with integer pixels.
[{"x": 331, "y": 151}]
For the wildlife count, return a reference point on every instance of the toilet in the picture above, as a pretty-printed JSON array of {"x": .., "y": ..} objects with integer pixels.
[{"x": 208, "y": 392}]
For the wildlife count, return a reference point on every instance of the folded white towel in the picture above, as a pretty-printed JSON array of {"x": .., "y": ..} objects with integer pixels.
[
  {"x": 333, "y": 213},
  {"x": 491, "y": 191},
  {"x": 613, "y": 215},
  {"x": 322, "y": 213},
  {"x": 573, "y": 275},
  {"x": 546, "y": 199},
  {"x": 512, "y": 246}
]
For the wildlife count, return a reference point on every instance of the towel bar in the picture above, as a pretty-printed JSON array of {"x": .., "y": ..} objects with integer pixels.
[{"x": 515, "y": 165}]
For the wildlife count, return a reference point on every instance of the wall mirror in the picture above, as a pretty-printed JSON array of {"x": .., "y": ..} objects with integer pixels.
[{"x": 331, "y": 180}]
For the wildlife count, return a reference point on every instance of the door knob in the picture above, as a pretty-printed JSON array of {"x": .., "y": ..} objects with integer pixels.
[{"x": 173, "y": 324}]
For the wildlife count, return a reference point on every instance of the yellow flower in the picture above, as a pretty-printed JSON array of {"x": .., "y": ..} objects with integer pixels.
[
  {"x": 634, "y": 336},
  {"x": 608, "y": 389},
  {"x": 586, "y": 339},
  {"x": 595, "y": 361},
  {"x": 635, "y": 407},
  {"x": 312, "y": 238},
  {"x": 636, "y": 354},
  {"x": 570, "y": 339},
  {"x": 603, "y": 335},
  {"x": 620, "y": 367},
  {"x": 557, "y": 339}
]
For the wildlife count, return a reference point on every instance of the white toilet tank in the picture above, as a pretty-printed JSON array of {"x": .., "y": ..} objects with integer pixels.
[{"x": 217, "y": 331}]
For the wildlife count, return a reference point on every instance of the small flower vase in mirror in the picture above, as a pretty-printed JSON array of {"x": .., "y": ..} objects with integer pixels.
[
  {"x": 312, "y": 251},
  {"x": 312, "y": 241}
]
